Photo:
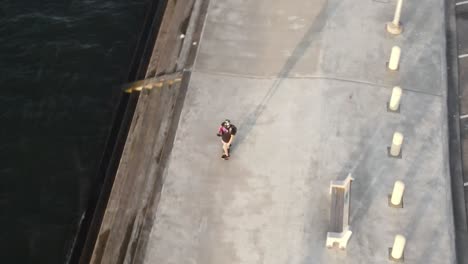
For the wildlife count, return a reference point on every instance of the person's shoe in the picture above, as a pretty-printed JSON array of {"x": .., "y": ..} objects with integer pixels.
[{"x": 225, "y": 157}]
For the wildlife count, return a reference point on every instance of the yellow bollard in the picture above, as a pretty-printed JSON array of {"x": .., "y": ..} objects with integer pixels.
[
  {"x": 398, "y": 248},
  {"x": 396, "y": 199},
  {"x": 395, "y": 27},
  {"x": 394, "y": 104},
  {"x": 397, "y": 141},
  {"x": 394, "y": 58}
]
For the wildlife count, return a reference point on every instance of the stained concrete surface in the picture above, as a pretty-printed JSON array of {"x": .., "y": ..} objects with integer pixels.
[{"x": 306, "y": 84}]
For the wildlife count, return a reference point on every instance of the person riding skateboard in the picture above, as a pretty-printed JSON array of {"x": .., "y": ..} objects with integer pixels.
[{"x": 227, "y": 132}]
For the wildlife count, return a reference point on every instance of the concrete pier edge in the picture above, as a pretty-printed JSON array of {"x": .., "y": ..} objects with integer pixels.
[
  {"x": 122, "y": 117},
  {"x": 199, "y": 21}
]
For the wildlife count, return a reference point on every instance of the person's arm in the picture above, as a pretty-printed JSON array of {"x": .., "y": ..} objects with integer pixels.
[
  {"x": 220, "y": 131},
  {"x": 231, "y": 139},
  {"x": 233, "y": 133}
]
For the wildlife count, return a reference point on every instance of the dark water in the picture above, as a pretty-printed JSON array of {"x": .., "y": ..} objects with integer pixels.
[{"x": 61, "y": 62}]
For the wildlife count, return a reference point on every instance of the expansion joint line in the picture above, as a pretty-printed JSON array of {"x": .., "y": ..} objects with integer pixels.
[{"x": 310, "y": 77}]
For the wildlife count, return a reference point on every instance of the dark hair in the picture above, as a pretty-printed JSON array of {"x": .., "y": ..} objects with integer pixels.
[{"x": 226, "y": 122}]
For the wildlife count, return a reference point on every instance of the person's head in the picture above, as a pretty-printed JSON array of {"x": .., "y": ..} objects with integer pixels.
[{"x": 227, "y": 123}]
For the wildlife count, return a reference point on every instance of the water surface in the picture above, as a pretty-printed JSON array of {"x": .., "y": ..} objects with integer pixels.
[{"x": 61, "y": 63}]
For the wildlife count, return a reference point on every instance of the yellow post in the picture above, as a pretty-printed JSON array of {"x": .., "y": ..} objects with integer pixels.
[
  {"x": 394, "y": 103},
  {"x": 394, "y": 58},
  {"x": 397, "y": 141},
  {"x": 398, "y": 247},
  {"x": 397, "y": 194}
]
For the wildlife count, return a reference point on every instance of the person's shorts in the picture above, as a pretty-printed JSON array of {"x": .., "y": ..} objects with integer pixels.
[{"x": 225, "y": 145}]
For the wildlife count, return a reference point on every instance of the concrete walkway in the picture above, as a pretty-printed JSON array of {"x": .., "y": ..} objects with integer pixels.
[{"x": 307, "y": 86}]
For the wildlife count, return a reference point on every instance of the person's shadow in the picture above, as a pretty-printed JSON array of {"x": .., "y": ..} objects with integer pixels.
[{"x": 246, "y": 125}]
